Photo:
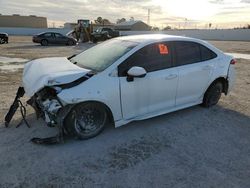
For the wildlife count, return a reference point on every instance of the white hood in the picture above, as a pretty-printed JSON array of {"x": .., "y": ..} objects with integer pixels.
[{"x": 48, "y": 72}]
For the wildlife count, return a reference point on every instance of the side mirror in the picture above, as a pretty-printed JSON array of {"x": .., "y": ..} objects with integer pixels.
[{"x": 136, "y": 72}]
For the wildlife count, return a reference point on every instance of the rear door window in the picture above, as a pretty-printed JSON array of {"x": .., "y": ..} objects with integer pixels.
[
  {"x": 207, "y": 54},
  {"x": 153, "y": 57},
  {"x": 186, "y": 53},
  {"x": 58, "y": 35},
  {"x": 106, "y": 29}
]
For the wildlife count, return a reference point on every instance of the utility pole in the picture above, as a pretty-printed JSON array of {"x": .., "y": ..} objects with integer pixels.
[
  {"x": 185, "y": 23},
  {"x": 148, "y": 16}
]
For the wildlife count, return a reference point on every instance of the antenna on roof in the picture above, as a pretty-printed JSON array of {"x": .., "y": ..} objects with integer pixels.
[{"x": 148, "y": 17}]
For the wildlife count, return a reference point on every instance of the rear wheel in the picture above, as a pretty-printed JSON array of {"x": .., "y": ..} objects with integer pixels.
[
  {"x": 44, "y": 43},
  {"x": 104, "y": 37},
  {"x": 212, "y": 95},
  {"x": 86, "y": 120}
]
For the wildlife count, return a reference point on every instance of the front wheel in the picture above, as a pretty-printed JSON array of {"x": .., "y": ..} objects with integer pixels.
[
  {"x": 70, "y": 43},
  {"x": 212, "y": 95},
  {"x": 94, "y": 40},
  {"x": 2, "y": 41},
  {"x": 86, "y": 120}
]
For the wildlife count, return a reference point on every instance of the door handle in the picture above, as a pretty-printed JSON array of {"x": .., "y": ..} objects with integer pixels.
[{"x": 171, "y": 76}]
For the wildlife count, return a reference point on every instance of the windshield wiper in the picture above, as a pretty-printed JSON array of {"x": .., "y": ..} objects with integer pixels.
[{"x": 70, "y": 57}]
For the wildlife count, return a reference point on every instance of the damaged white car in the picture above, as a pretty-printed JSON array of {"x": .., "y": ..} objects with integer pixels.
[{"x": 126, "y": 79}]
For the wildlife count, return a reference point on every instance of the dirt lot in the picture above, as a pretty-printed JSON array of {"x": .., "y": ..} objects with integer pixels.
[
  {"x": 195, "y": 147},
  {"x": 22, "y": 47}
]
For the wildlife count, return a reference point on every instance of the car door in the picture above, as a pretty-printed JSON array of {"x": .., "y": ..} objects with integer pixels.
[
  {"x": 49, "y": 37},
  {"x": 60, "y": 39},
  {"x": 195, "y": 71},
  {"x": 157, "y": 90},
  {"x": 109, "y": 31},
  {"x": 98, "y": 33},
  {"x": 105, "y": 33}
]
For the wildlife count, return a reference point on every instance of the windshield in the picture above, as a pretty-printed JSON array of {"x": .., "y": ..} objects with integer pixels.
[
  {"x": 101, "y": 56},
  {"x": 98, "y": 30}
]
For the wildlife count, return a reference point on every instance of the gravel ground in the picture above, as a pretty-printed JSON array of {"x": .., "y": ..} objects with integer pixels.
[
  {"x": 22, "y": 47},
  {"x": 195, "y": 147}
]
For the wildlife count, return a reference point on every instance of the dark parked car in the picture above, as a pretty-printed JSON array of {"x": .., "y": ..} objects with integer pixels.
[
  {"x": 53, "y": 38},
  {"x": 103, "y": 33},
  {"x": 4, "y": 38}
]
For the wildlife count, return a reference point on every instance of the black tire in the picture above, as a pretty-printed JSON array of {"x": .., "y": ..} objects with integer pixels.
[
  {"x": 2, "y": 41},
  {"x": 94, "y": 40},
  {"x": 70, "y": 43},
  {"x": 104, "y": 37},
  {"x": 44, "y": 42},
  {"x": 86, "y": 120},
  {"x": 212, "y": 95}
]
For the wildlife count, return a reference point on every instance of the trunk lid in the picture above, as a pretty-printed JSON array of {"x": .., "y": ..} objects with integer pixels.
[{"x": 48, "y": 72}]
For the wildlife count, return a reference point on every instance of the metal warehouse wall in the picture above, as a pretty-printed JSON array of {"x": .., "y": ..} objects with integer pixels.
[
  {"x": 23, "y": 21},
  {"x": 31, "y": 31},
  {"x": 222, "y": 34}
]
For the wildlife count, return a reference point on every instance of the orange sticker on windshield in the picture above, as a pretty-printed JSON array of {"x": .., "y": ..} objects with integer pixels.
[{"x": 163, "y": 49}]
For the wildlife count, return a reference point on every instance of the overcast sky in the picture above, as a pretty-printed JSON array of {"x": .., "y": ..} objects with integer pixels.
[{"x": 177, "y": 13}]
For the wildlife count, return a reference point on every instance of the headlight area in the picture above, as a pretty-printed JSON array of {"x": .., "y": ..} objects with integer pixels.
[{"x": 46, "y": 104}]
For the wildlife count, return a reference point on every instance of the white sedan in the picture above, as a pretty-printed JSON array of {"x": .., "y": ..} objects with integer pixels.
[{"x": 127, "y": 79}]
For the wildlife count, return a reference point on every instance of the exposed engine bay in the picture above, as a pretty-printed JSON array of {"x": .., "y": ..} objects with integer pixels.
[{"x": 46, "y": 105}]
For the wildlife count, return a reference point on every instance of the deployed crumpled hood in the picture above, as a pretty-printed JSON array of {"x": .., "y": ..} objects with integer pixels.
[{"x": 48, "y": 72}]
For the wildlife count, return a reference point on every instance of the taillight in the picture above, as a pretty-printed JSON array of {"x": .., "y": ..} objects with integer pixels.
[{"x": 233, "y": 62}]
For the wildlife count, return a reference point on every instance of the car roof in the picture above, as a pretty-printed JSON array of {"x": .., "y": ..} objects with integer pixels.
[
  {"x": 48, "y": 32},
  {"x": 148, "y": 38},
  {"x": 151, "y": 38}
]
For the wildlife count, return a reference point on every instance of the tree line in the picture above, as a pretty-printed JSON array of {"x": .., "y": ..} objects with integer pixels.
[{"x": 100, "y": 20}]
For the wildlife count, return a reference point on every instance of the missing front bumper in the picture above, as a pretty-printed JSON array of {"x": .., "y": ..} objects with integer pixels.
[{"x": 59, "y": 116}]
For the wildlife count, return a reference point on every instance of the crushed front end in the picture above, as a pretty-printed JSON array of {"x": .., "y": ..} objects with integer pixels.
[
  {"x": 46, "y": 105},
  {"x": 43, "y": 87}
]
